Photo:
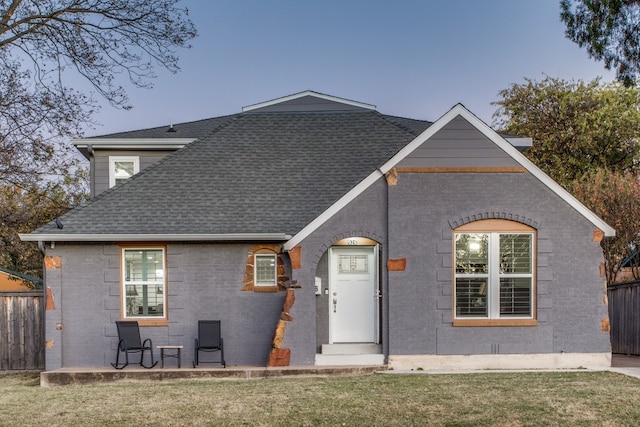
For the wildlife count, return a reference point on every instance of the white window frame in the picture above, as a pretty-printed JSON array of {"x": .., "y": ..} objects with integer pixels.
[
  {"x": 493, "y": 277},
  {"x": 270, "y": 283},
  {"x": 112, "y": 166},
  {"x": 158, "y": 285}
]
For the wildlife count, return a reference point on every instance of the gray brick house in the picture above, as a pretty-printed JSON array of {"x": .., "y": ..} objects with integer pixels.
[{"x": 404, "y": 242}]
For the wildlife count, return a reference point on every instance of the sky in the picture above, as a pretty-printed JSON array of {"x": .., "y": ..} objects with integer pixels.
[{"x": 409, "y": 58}]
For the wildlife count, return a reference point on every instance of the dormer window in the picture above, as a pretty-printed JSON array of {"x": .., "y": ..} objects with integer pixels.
[{"x": 122, "y": 168}]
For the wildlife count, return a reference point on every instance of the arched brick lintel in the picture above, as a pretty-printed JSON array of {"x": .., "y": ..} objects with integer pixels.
[
  {"x": 523, "y": 219},
  {"x": 344, "y": 235}
]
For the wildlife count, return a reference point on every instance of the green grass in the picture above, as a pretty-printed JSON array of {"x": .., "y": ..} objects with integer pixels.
[{"x": 503, "y": 399}]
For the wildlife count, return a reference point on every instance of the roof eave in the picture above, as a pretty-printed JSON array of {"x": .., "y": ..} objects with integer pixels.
[
  {"x": 126, "y": 144},
  {"x": 89, "y": 237},
  {"x": 130, "y": 143}
]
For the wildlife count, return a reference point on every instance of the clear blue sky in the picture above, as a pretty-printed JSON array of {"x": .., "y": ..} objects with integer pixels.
[{"x": 409, "y": 58}]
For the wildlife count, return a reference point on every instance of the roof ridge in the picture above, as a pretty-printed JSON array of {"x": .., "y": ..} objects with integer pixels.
[
  {"x": 389, "y": 118},
  {"x": 319, "y": 112},
  {"x": 109, "y": 135},
  {"x": 231, "y": 117}
]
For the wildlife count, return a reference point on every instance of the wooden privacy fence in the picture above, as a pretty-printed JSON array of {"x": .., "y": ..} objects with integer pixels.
[
  {"x": 21, "y": 330},
  {"x": 624, "y": 316}
]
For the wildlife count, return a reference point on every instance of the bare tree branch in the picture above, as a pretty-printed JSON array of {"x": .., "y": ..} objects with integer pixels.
[{"x": 46, "y": 44}]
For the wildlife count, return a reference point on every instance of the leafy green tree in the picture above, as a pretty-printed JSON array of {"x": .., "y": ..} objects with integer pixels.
[
  {"x": 48, "y": 46},
  {"x": 609, "y": 30},
  {"x": 615, "y": 197},
  {"x": 576, "y": 127},
  {"x": 24, "y": 209}
]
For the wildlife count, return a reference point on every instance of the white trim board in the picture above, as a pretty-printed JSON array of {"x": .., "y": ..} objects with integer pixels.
[
  {"x": 59, "y": 237},
  {"x": 132, "y": 143}
]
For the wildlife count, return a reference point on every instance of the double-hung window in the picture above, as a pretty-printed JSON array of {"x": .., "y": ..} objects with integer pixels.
[
  {"x": 494, "y": 273},
  {"x": 144, "y": 287},
  {"x": 122, "y": 168}
]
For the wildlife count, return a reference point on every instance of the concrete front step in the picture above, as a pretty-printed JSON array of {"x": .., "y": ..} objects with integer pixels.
[
  {"x": 358, "y": 354},
  {"x": 349, "y": 359},
  {"x": 352, "y": 348}
]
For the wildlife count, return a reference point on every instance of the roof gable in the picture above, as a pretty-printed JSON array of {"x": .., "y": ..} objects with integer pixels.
[
  {"x": 460, "y": 110},
  {"x": 457, "y": 111},
  {"x": 458, "y": 145},
  {"x": 308, "y": 101}
]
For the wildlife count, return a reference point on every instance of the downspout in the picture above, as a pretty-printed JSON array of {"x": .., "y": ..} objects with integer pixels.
[
  {"x": 91, "y": 170},
  {"x": 385, "y": 293},
  {"x": 41, "y": 247}
]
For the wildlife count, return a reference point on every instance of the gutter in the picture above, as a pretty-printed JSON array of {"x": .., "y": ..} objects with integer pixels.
[
  {"x": 56, "y": 237},
  {"x": 92, "y": 172}
]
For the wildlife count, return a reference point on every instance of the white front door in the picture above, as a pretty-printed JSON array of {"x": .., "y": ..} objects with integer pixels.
[{"x": 353, "y": 303}]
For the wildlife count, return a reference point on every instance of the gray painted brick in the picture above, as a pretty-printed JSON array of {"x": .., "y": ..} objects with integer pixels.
[
  {"x": 110, "y": 250},
  {"x": 205, "y": 279},
  {"x": 562, "y": 276},
  {"x": 111, "y": 304},
  {"x": 176, "y": 330},
  {"x": 544, "y": 246},
  {"x": 444, "y": 303},
  {"x": 545, "y": 274},
  {"x": 111, "y": 276},
  {"x": 443, "y": 275}
]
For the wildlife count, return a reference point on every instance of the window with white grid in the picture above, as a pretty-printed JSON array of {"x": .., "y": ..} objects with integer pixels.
[
  {"x": 494, "y": 272},
  {"x": 143, "y": 283}
]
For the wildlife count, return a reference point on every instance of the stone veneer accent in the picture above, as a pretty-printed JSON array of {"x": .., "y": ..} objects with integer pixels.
[{"x": 248, "y": 273}]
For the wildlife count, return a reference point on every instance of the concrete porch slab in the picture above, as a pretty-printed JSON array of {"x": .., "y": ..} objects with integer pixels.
[{"x": 79, "y": 376}]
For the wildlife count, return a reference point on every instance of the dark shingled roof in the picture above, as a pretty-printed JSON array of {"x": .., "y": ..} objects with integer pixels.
[
  {"x": 256, "y": 173},
  {"x": 195, "y": 129}
]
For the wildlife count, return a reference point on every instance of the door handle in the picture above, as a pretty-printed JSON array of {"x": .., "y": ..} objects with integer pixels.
[{"x": 335, "y": 303}]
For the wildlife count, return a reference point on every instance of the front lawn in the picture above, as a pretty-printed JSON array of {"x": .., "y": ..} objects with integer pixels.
[{"x": 504, "y": 399}]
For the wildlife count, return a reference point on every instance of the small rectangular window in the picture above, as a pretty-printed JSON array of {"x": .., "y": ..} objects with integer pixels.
[
  {"x": 144, "y": 283},
  {"x": 122, "y": 168},
  {"x": 266, "y": 270}
]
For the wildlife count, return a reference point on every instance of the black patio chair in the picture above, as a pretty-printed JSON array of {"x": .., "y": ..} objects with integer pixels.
[
  {"x": 209, "y": 340},
  {"x": 129, "y": 342}
]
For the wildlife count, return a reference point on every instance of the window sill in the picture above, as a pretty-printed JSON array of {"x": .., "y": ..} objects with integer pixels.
[
  {"x": 265, "y": 288},
  {"x": 149, "y": 322},
  {"x": 495, "y": 322}
]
